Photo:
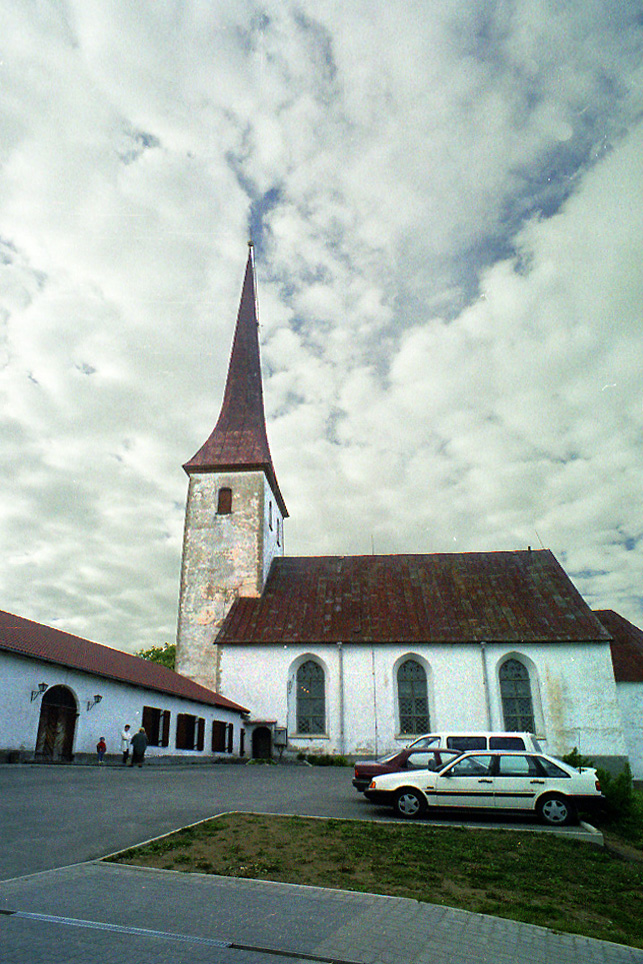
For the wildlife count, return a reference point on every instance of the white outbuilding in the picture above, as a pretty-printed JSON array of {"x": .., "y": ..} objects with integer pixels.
[{"x": 61, "y": 693}]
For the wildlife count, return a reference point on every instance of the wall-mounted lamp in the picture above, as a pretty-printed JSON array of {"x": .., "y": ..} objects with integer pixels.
[
  {"x": 36, "y": 693},
  {"x": 96, "y": 699}
]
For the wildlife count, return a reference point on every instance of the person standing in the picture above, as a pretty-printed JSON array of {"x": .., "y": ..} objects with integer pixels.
[
  {"x": 139, "y": 746},
  {"x": 101, "y": 748},
  {"x": 125, "y": 742}
]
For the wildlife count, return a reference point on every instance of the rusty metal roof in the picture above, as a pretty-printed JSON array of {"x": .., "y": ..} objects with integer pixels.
[
  {"x": 626, "y": 646},
  {"x": 520, "y": 596},
  {"x": 26, "y": 638},
  {"x": 239, "y": 441}
]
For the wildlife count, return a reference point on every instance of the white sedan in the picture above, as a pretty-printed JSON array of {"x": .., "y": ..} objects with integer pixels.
[{"x": 500, "y": 780}]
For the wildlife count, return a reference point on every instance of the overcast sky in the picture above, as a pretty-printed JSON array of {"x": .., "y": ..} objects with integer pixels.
[{"x": 447, "y": 204}]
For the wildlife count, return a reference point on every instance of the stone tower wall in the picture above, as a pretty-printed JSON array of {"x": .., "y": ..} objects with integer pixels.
[{"x": 224, "y": 556}]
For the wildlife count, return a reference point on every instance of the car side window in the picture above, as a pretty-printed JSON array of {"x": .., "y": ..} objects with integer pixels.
[
  {"x": 551, "y": 770},
  {"x": 517, "y": 766},
  {"x": 506, "y": 743},
  {"x": 421, "y": 760},
  {"x": 467, "y": 742},
  {"x": 471, "y": 766}
]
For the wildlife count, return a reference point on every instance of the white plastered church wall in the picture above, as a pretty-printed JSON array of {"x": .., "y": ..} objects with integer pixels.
[
  {"x": 573, "y": 691},
  {"x": 630, "y": 699}
]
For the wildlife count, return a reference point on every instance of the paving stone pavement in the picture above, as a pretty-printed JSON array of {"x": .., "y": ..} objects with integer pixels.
[{"x": 125, "y": 915}]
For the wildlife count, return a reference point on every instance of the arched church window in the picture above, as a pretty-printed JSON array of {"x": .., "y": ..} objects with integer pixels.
[
  {"x": 515, "y": 693},
  {"x": 224, "y": 505},
  {"x": 412, "y": 697},
  {"x": 311, "y": 700}
]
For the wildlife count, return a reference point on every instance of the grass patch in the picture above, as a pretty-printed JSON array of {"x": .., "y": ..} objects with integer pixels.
[{"x": 537, "y": 878}]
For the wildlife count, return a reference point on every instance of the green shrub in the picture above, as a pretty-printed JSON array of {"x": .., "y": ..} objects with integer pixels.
[
  {"x": 619, "y": 794},
  {"x": 574, "y": 759},
  {"x": 621, "y": 805},
  {"x": 326, "y": 760}
]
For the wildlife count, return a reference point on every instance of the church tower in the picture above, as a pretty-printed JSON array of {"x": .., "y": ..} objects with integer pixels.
[{"x": 235, "y": 511}]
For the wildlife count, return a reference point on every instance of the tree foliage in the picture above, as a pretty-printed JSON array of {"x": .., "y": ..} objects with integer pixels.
[{"x": 164, "y": 655}]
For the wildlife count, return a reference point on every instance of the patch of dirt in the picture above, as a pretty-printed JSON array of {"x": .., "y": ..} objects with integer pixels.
[{"x": 623, "y": 849}]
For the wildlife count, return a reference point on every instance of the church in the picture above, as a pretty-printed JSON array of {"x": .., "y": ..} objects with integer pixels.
[{"x": 358, "y": 655}]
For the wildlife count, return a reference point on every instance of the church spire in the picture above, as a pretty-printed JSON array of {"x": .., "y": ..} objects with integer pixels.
[{"x": 239, "y": 440}]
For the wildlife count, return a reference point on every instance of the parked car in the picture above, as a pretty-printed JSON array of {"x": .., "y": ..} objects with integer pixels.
[
  {"x": 498, "y": 780},
  {"x": 408, "y": 759},
  {"x": 478, "y": 740}
]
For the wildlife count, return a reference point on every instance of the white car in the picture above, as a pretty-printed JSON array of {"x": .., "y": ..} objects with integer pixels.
[{"x": 499, "y": 780}]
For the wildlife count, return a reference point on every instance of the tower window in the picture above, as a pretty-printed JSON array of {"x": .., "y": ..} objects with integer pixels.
[
  {"x": 224, "y": 506},
  {"x": 270, "y": 514}
]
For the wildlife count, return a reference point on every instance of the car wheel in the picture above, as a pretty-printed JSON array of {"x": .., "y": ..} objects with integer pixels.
[
  {"x": 410, "y": 804},
  {"x": 556, "y": 811}
]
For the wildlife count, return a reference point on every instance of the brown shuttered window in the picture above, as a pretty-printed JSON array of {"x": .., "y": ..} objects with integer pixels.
[
  {"x": 184, "y": 731},
  {"x": 156, "y": 723},
  {"x": 165, "y": 736},
  {"x": 218, "y": 736}
]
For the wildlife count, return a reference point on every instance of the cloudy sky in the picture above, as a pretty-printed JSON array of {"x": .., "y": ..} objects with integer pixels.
[{"x": 446, "y": 200}]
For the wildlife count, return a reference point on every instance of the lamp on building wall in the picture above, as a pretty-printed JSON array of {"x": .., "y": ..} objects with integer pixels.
[
  {"x": 96, "y": 699},
  {"x": 36, "y": 693}
]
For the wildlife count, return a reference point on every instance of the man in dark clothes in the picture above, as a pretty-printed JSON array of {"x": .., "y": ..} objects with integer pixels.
[{"x": 139, "y": 746}]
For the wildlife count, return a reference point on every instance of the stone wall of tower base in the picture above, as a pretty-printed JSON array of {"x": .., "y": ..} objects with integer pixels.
[{"x": 225, "y": 555}]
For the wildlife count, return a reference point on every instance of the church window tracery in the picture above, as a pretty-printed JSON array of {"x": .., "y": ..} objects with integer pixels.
[
  {"x": 311, "y": 699},
  {"x": 515, "y": 693},
  {"x": 412, "y": 698}
]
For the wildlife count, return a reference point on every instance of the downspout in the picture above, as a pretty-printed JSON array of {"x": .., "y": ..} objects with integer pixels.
[
  {"x": 374, "y": 699},
  {"x": 485, "y": 682},
  {"x": 340, "y": 651}
]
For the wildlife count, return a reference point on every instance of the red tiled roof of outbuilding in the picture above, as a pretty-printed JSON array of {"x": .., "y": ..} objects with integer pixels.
[
  {"x": 27, "y": 638},
  {"x": 522, "y": 596},
  {"x": 626, "y": 646},
  {"x": 239, "y": 440}
]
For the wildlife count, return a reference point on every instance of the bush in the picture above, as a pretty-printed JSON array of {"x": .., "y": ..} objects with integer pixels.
[
  {"x": 620, "y": 800},
  {"x": 324, "y": 759},
  {"x": 619, "y": 794}
]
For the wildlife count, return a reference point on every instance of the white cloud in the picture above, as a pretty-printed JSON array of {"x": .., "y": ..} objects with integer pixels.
[{"x": 448, "y": 217}]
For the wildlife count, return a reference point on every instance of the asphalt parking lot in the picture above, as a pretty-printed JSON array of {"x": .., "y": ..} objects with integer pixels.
[
  {"x": 60, "y": 903},
  {"x": 60, "y": 815}
]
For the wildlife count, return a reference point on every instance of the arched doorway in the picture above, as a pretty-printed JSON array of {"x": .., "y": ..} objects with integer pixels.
[
  {"x": 57, "y": 725},
  {"x": 261, "y": 743}
]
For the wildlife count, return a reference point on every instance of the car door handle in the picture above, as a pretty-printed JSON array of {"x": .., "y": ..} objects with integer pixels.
[
  {"x": 482, "y": 780},
  {"x": 536, "y": 781}
]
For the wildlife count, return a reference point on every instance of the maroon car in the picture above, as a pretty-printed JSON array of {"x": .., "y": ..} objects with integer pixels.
[{"x": 407, "y": 759}]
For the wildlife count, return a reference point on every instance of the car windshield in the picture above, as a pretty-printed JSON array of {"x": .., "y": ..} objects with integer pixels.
[{"x": 425, "y": 741}]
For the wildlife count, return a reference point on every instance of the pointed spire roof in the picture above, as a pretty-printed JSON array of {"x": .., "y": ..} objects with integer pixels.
[{"x": 239, "y": 441}]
